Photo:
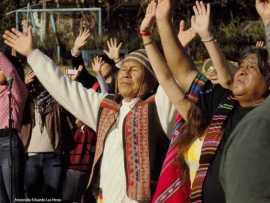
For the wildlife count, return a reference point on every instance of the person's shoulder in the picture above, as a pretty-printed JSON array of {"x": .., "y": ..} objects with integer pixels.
[
  {"x": 254, "y": 126},
  {"x": 261, "y": 112}
]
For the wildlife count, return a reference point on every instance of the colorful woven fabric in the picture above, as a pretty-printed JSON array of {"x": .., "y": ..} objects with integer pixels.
[
  {"x": 211, "y": 142},
  {"x": 171, "y": 187},
  {"x": 108, "y": 117},
  {"x": 144, "y": 155},
  {"x": 137, "y": 155}
]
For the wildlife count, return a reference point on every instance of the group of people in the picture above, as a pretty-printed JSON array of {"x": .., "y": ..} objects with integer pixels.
[{"x": 160, "y": 130}]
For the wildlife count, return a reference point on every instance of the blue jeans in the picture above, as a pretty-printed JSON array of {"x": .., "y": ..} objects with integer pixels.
[
  {"x": 43, "y": 175},
  {"x": 18, "y": 161}
]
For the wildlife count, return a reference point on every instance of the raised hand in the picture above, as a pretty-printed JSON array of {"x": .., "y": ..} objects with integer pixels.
[
  {"x": 185, "y": 36},
  {"x": 21, "y": 42},
  {"x": 81, "y": 40},
  {"x": 200, "y": 22},
  {"x": 113, "y": 51},
  {"x": 260, "y": 44},
  {"x": 163, "y": 11},
  {"x": 96, "y": 64},
  {"x": 263, "y": 9},
  {"x": 149, "y": 17}
]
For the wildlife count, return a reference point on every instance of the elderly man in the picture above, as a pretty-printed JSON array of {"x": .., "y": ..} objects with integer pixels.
[
  {"x": 131, "y": 126},
  {"x": 245, "y": 161}
]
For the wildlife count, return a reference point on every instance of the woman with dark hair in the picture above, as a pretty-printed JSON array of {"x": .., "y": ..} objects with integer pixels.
[
  {"x": 45, "y": 132},
  {"x": 246, "y": 155}
]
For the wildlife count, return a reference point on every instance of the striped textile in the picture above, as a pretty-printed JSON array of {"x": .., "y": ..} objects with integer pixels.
[
  {"x": 211, "y": 142},
  {"x": 171, "y": 188},
  {"x": 140, "y": 129}
]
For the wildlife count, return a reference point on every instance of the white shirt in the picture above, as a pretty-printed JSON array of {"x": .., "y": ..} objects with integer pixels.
[{"x": 39, "y": 141}]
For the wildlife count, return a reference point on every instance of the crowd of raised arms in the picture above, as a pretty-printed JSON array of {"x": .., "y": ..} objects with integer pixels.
[{"x": 149, "y": 127}]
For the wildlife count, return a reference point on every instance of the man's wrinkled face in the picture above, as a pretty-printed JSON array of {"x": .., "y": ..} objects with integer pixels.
[
  {"x": 2, "y": 78},
  {"x": 248, "y": 80},
  {"x": 130, "y": 79}
]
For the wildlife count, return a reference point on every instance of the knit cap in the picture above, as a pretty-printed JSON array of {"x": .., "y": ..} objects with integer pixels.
[{"x": 141, "y": 57}]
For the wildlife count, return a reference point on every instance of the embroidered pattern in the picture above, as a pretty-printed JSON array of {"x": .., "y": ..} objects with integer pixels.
[
  {"x": 211, "y": 142},
  {"x": 108, "y": 116},
  {"x": 137, "y": 152},
  {"x": 136, "y": 144}
]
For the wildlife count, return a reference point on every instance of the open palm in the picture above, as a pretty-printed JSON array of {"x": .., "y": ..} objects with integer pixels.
[
  {"x": 149, "y": 17},
  {"x": 200, "y": 22},
  {"x": 21, "y": 42},
  {"x": 81, "y": 39},
  {"x": 114, "y": 47},
  {"x": 96, "y": 64}
]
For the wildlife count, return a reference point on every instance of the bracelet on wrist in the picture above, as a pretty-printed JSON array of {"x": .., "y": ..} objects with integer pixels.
[
  {"x": 117, "y": 60},
  {"x": 209, "y": 39},
  {"x": 144, "y": 33}
]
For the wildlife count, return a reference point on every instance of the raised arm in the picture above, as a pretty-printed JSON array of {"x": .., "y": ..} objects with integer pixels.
[
  {"x": 82, "y": 103},
  {"x": 96, "y": 66},
  {"x": 113, "y": 51},
  {"x": 200, "y": 22},
  {"x": 79, "y": 42},
  {"x": 180, "y": 64},
  {"x": 77, "y": 61},
  {"x": 159, "y": 65},
  {"x": 263, "y": 9}
]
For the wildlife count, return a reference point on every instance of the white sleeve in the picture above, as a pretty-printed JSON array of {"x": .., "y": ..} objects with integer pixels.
[
  {"x": 81, "y": 102},
  {"x": 166, "y": 111}
]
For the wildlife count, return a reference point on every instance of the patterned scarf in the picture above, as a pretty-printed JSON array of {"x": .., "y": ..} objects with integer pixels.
[
  {"x": 211, "y": 142},
  {"x": 171, "y": 187},
  {"x": 45, "y": 103}
]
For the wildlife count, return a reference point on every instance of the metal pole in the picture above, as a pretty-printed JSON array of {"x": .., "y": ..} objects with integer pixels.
[
  {"x": 99, "y": 23},
  {"x": 17, "y": 20},
  {"x": 58, "y": 10}
]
